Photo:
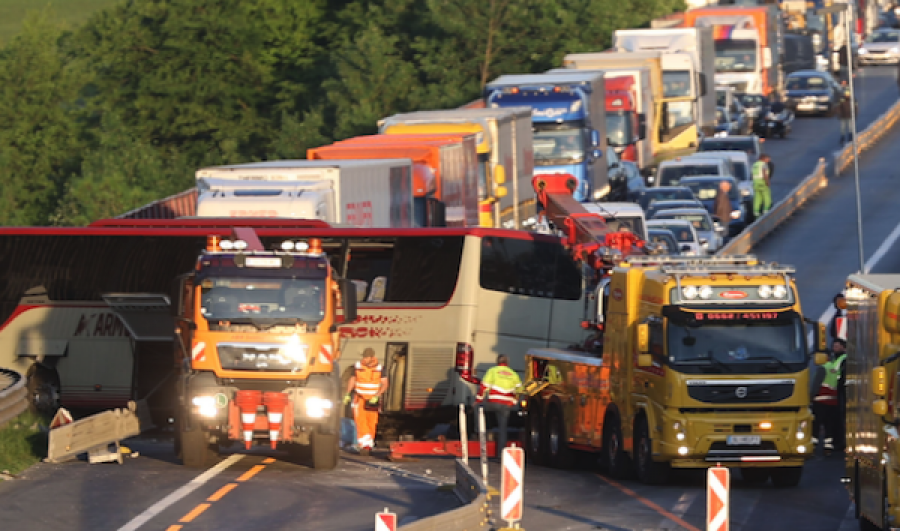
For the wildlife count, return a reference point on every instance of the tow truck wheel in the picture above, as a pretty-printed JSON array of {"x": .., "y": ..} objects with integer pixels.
[
  {"x": 614, "y": 453},
  {"x": 534, "y": 435},
  {"x": 558, "y": 452},
  {"x": 325, "y": 452},
  {"x": 787, "y": 477},
  {"x": 196, "y": 450},
  {"x": 755, "y": 475},
  {"x": 648, "y": 471}
]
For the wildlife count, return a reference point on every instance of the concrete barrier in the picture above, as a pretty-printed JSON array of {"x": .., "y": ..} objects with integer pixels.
[
  {"x": 473, "y": 515},
  {"x": 13, "y": 395},
  {"x": 803, "y": 192}
]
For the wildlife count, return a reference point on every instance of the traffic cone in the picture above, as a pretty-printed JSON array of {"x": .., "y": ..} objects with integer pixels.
[
  {"x": 275, "y": 403},
  {"x": 248, "y": 402}
]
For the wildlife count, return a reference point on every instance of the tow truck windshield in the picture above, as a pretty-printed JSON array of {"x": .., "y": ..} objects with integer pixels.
[
  {"x": 269, "y": 301},
  {"x": 769, "y": 341}
]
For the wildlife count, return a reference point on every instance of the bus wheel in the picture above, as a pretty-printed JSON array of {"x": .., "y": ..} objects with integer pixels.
[
  {"x": 787, "y": 477},
  {"x": 648, "y": 470},
  {"x": 44, "y": 391},
  {"x": 534, "y": 436},
  {"x": 325, "y": 451},
  {"x": 196, "y": 450},
  {"x": 558, "y": 452},
  {"x": 614, "y": 453}
]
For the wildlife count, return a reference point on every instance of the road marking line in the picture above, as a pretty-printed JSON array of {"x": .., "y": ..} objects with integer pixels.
[
  {"x": 650, "y": 504},
  {"x": 179, "y": 494},
  {"x": 222, "y": 492},
  {"x": 173, "y": 528},
  {"x": 195, "y": 512},
  {"x": 268, "y": 460},
  {"x": 250, "y": 473}
]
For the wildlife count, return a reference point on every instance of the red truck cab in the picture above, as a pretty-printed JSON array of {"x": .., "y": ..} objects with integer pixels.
[{"x": 622, "y": 118}]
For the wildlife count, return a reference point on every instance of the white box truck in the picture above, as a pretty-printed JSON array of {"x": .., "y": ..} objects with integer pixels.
[
  {"x": 358, "y": 193},
  {"x": 688, "y": 62}
]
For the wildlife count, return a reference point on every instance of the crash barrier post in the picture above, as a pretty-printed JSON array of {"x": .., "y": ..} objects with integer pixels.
[
  {"x": 13, "y": 395},
  {"x": 818, "y": 179},
  {"x": 511, "y": 486},
  {"x": 464, "y": 433},
  {"x": 386, "y": 521},
  {"x": 482, "y": 438},
  {"x": 472, "y": 516},
  {"x": 717, "y": 486},
  {"x": 92, "y": 435}
]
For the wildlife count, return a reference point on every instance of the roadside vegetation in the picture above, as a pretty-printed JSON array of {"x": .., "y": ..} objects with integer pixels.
[
  {"x": 23, "y": 442},
  {"x": 72, "y": 12},
  {"x": 105, "y": 116}
]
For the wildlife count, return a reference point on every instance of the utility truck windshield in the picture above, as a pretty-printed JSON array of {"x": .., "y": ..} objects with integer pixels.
[
  {"x": 558, "y": 144},
  {"x": 263, "y": 300},
  {"x": 774, "y": 339}
]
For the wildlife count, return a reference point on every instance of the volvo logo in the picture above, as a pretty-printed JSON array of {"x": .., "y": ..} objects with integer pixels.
[{"x": 740, "y": 392}]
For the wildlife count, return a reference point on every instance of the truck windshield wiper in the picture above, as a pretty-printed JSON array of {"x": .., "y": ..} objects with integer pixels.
[{"x": 770, "y": 358}]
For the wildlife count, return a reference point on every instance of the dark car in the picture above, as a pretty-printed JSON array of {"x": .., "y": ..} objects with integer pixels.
[
  {"x": 812, "y": 92},
  {"x": 665, "y": 241},
  {"x": 755, "y": 105},
  {"x": 663, "y": 193},
  {"x": 732, "y": 122},
  {"x": 669, "y": 204},
  {"x": 706, "y": 189}
]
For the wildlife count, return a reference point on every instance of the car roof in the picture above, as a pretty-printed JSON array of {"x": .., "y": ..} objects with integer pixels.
[
  {"x": 709, "y": 178},
  {"x": 663, "y": 201},
  {"x": 658, "y": 222},
  {"x": 652, "y": 230},
  {"x": 807, "y": 73},
  {"x": 689, "y": 160},
  {"x": 738, "y": 154},
  {"x": 669, "y": 189},
  {"x": 726, "y": 138},
  {"x": 675, "y": 211}
]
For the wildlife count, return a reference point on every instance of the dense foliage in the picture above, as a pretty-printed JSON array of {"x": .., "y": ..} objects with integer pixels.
[{"x": 120, "y": 111}]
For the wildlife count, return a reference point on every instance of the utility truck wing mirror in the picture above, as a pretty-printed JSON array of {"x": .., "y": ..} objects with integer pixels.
[{"x": 348, "y": 299}]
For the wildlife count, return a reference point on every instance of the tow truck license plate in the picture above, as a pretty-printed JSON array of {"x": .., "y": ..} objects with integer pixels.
[{"x": 743, "y": 439}]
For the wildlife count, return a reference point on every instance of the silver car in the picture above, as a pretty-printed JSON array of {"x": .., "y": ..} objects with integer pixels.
[
  {"x": 882, "y": 47},
  {"x": 688, "y": 240},
  {"x": 710, "y": 235}
]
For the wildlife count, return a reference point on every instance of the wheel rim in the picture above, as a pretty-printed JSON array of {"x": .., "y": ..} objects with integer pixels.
[
  {"x": 534, "y": 435},
  {"x": 46, "y": 397},
  {"x": 643, "y": 452},
  {"x": 613, "y": 448},
  {"x": 554, "y": 438}
]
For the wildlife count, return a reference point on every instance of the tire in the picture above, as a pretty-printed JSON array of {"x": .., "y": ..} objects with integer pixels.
[
  {"x": 755, "y": 475},
  {"x": 787, "y": 477},
  {"x": 325, "y": 451},
  {"x": 196, "y": 451},
  {"x": 534, "y": 436},
  {"x": 43, "y": 391},
  {"x": 648, "y": 471},
  {"x": 559, "y": 455},
  {"x": 614, "y": 455}
]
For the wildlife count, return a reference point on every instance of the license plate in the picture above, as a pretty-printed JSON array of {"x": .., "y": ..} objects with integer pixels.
[
  {"x": 743, "y": 439},
  {"x": 805, "y": 106}
]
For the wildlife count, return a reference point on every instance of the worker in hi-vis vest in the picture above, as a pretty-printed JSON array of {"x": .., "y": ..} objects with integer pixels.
[
  {"x": 762, "y": 193},
  {"x": 826, "y": 406},
  {"x": 500, "y": 388},
  {"x": 369, "y": 384}
]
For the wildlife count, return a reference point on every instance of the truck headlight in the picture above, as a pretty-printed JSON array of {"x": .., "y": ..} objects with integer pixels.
[
  {"x": 735, "y": 214},
  {"x": 745, "y": 191},
  {"x": 318, "y": 407},
  {"x": 862, "y": 51},
  {"x": 679, "y": 431},
  {"x": 206, "y": 406},
  {"x": 801, "y": 432}
]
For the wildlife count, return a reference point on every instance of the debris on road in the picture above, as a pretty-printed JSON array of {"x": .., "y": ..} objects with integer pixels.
[{"x": 98, "y": 436}]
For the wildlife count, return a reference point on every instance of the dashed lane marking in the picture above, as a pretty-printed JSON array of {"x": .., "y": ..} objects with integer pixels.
[{"x": 668, "y": 515}]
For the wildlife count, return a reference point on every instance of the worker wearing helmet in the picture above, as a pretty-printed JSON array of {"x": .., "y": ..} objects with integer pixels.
[
  {"x": 498, "y": 393},
  {"x": 369, "y": 383}
]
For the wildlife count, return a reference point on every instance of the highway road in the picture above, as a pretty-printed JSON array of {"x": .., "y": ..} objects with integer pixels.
[{"x": 260, "y": 490}]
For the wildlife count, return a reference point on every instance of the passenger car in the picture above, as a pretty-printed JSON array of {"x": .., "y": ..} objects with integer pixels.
[
  {"x": 663, "y": 193},
  {"x": 811, "y": 91},
  {"x": 665, "y": 241},
  {"x": 671, "y": 171},
  {"x": 706, "y": 189},
  {"x": 754, "y": 104},
  {"x": 688, "y": 241},
  {"x": 670, "y": 204},
  {"x": 882, "y": 47},
  {"x": 731, "y": 122},
  {"x": 742, "y": 174},
  {"x": 749, "y": 144},
  {"x": 710, "y": 238}
]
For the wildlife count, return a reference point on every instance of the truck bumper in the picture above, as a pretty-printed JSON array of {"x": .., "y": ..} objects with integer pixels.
[{"x": 741, "y": 441}]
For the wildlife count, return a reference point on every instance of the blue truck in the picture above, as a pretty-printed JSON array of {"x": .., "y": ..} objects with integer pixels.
[{"x": 569, "y": 121}]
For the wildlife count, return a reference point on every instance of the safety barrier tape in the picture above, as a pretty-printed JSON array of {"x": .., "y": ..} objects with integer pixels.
[
  {"x": 474, "y": 513},
  {"x": 13, "y": 397},
  {"x": 818, "y": 179}
]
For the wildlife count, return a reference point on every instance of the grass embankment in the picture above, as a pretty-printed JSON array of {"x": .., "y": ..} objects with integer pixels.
[
  {"x": 22, "y": 443},
  {"x": 74, "y": 12}
]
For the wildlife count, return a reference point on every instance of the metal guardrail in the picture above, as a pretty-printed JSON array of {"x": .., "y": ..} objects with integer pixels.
[
  {"x": 13, "y": 396},
  {"x": 818, "y": 179},
  {"x": 473, "y": 515}
]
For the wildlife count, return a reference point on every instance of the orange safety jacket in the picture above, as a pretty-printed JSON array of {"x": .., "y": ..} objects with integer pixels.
[{"x": 368, "y": 380}]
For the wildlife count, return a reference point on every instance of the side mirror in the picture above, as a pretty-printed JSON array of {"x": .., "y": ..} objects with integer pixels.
[
  {"x": 499, "y": 174},
  {"x": 703, "y": 241},
  {"x": 643, "y": 338},
  {"x": 820, "y": 338},
  {"x": 597, "y": 154},
  {"x": 595, "y": 138},
  {"x": 701, "y": 82},
  {"x": 348, "y": 299},
  {"x": 500, "y": 191},
  {"x": 685, "y": 247},
  {"x": 642, "y": 126},
  {"x": 437, "y": 212},
  {"x": 879, "y": 381}
]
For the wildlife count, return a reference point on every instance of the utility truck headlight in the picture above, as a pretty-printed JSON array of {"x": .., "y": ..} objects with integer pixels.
[
  {"x": 705, "y": 292},
  {"x": 318, "y": 407},
  {"x": 689, "y": 292},
  {"x": 779, "y": 292},
  {"x": 764, "y": 292},
  {"x": 287, "y": 245},
  {"x": 683, "y": 450},
  {"x": 801, "y": 431},
  {"x": 206, "y": 406},
  {"x": 679, "y": 431}
]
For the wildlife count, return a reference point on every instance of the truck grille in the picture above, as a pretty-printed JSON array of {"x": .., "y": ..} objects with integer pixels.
[
  {"x": 737, "y": 392},
  {"x": 765, "y": 451},
  {"x": 430, "y": 378}
]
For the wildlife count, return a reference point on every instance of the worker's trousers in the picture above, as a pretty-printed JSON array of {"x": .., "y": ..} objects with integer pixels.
[
  {"x": 366, "y": 423},
  {"x": 826, "y": 420},
  {"x": 502, "y": 412},
  {"x": 762, "y": 198}
]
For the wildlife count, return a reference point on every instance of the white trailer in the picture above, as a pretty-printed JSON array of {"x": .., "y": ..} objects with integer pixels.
[
  {"x": 359, "y": 193},
  {"x": 689, "y": 54}
]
